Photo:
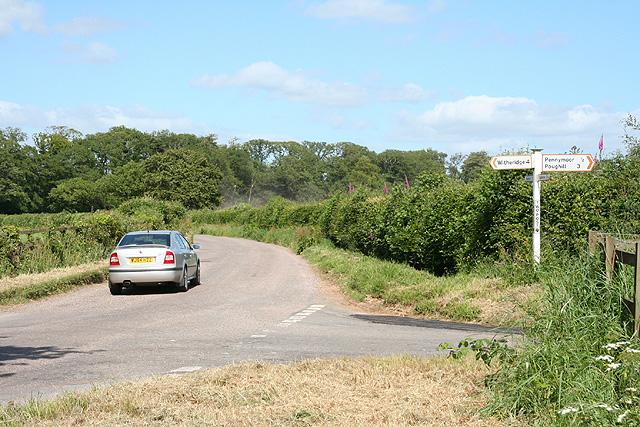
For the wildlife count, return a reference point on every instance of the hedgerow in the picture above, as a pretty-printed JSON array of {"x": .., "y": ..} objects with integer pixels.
[{"x": 84, "y": 238}]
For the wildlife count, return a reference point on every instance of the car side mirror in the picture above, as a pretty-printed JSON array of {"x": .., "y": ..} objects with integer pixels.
[{"x": 195, "y": 246}]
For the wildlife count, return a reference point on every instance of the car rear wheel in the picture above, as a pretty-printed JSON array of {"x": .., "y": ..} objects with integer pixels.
[
  {"x": 196, "y": 280},
  {"x": 115, "y": 289},
  {"x": 183, "y": 286}
]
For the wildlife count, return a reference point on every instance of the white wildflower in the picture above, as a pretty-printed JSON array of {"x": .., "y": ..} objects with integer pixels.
[
  {"x": 622, "y": 416},
  {"x": 632, "y": 389},
  {"x": 632, "y": 350},
  {"x": 567, "y": 410},
  {"x": 612, "y": 366},
  {"x": 616, "y": 345},
  {"x": 604, "y": 406},
  {"x": 606, "y": 358}
]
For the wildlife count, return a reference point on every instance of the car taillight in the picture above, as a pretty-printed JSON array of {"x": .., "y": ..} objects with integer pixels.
[
  {"x": 114, "y": 259},
  {"x": 169, "y": 258}
]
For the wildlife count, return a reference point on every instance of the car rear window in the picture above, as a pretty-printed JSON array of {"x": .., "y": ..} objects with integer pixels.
[{"x": 145, "y": 239}]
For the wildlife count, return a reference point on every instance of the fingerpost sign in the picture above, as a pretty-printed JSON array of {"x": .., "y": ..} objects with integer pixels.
[{"x": 542, "y": 163}]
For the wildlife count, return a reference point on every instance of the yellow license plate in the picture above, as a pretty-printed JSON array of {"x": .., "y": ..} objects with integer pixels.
[{"x": 139, "y": 260}]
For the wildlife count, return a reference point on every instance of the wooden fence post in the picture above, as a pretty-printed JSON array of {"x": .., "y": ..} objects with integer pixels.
[
  {"x": 593, "y": 242},
  {"x": 636, "y": 297},
  {"x": 610, "y": 252}
]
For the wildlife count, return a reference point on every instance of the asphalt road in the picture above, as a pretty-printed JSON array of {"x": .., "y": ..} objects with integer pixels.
[{"x": 256, "y": 302}]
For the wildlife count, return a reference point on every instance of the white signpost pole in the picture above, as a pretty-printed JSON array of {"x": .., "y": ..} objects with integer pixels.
[{"x": 537, "y": 168}]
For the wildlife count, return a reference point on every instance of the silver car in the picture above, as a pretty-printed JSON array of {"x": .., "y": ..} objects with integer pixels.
[{"x": 149, "y": 258}]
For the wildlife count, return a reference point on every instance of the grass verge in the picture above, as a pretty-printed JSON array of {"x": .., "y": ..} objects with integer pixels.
[
  {"x": 26, "y": 288},
  {"x": 391, "y": 391}
]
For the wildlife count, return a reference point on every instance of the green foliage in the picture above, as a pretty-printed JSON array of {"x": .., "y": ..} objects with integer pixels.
[
  {"x": 484, "y": 349},
  {"x": 183, "y": 176},
  {"x": 17, "y": 181},
  {"x": 102, "y": 229},
  {"x": 76, "y": 195},
  {"x": 85, "y": 237},
  {"x": 152, "y": 214},
  {"x": 578, "y": 358},
  {"x": 11, "y": 248}
]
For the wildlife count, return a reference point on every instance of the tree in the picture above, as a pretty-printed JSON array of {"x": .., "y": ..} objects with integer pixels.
[
  {"x": 396, "y": 164},
  {"x": 183, "y": 176},
  {"x": 76, "y": 195},
  {"x": 473, "y": 165},
  {"x": 118, "y": 147},
  {"x": 55, "y": 139},
  {"x": 126, "y": 182},
  {"x": 18, "y": 177},
  {"x": 342, "y": 165},
  {"x": 454, "y": 164}
]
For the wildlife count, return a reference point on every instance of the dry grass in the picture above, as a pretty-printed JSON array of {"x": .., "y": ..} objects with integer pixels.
[
  {"x": 26, "y": 280},
  {"x": 498, "y": 305},
  {"x": 391, "y": 391}
]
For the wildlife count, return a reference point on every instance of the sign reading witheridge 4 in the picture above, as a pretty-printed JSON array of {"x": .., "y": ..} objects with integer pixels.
[{"x": 520, "y": 161}]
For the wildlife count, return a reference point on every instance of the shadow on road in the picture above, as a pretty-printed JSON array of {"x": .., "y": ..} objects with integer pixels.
[
  {"x": 10, "y": 354},
  {"x": 435, "y": 324},
  {"x": 153, "y": 290}
]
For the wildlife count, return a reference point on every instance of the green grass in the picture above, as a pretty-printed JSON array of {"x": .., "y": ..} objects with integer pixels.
[
  {"x": 23, "y": 294},
  {"x": 572, "y": 369}
]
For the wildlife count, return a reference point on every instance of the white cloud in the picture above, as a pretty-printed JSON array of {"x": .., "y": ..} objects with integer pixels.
[
  {"x": 373, "y": 10},
  {"x": 408, "y": 93},
  {"x": 91, "y": 53},
  {"x": 551, "y": 40},
  {"x": 16, "y": 115},
  {"x": 98, "y": 118},
  {"x": 483, "y": 122},
  {"x": 436, "y": 6},
  {"x": 27, "y": 14},
  {"x": 89, "y": 25},
  {"x": 294, "y": 86}
]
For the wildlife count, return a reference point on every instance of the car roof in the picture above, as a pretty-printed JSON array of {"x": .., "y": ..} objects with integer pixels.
[{"x": 153, "y": 231}]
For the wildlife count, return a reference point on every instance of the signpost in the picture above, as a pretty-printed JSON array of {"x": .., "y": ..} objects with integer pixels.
[
  {"x": 542, "y": 163},
  {"x": 511, "y": 162},
  {"x": 567, "y": 163}
]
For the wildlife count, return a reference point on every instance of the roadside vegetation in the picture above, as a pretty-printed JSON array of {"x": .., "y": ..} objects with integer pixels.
[
  {"x": 390, "y": 391},
  {"x": 429, "y": 245}
]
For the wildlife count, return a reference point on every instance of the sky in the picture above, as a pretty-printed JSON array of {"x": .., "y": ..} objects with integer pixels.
[{"x": 456, "y": 76}]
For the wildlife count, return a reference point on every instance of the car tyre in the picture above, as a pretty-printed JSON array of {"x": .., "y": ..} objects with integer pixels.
[
  {"x": 115, "y": 289},
  {"x": 183, "y": 286},
  {"x": 196, "y": 280}
]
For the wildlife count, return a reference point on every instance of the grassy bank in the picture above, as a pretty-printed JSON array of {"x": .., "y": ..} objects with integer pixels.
[{"x": 30, "y": 287}]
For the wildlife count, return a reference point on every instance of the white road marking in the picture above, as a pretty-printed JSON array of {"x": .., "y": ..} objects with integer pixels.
[
  {"x": 301, "y": 315},
  {"x": 185, "y": 370}
]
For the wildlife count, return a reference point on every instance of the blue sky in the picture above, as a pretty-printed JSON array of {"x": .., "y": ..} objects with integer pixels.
[{"x": 453, "y": 76}]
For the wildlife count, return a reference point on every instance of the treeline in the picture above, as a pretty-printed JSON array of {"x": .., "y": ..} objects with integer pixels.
[
  {"x": 442, "y": 224},
  {"x": 64, "y": 170}
]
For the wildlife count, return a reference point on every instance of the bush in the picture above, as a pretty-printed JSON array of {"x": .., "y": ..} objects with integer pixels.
[{"x": 153, "y": 214}]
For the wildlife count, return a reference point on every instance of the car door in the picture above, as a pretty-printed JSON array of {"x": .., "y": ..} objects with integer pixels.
[{"x": 189, "y": 255}]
